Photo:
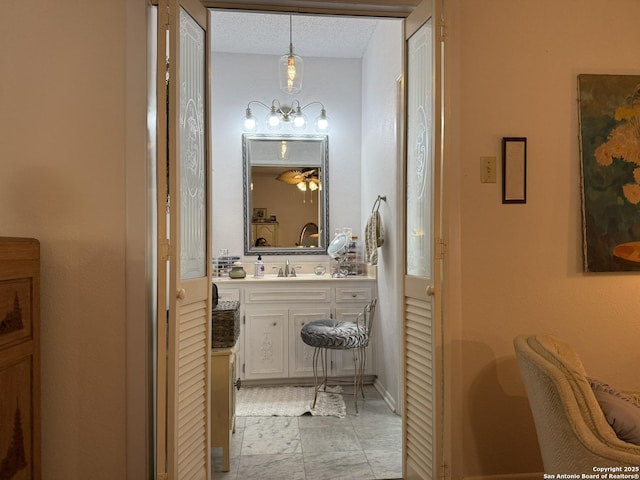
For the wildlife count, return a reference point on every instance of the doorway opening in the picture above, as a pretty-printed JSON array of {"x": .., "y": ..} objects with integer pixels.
[{"x": 353, "y": 66}]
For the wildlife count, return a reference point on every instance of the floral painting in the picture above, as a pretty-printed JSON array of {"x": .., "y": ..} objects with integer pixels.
[{"x": 610, "y": 146}]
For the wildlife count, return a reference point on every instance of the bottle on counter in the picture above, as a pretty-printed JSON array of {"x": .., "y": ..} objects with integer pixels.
[{"x": 258, "y": 268}]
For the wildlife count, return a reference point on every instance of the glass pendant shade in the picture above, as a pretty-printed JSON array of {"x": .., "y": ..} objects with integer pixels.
[
  {"x": 249, "y": 122},
  {"x": 291, "y": 68},
  {"x": 322, "y": 122},
  {"x": 273, "y": 120},
  {"x": 299, "y": 120}
]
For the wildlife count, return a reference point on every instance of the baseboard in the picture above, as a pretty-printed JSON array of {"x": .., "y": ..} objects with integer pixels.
[
  {"x": 389, "y": 400},
  {"x": 510, "y": 476}
]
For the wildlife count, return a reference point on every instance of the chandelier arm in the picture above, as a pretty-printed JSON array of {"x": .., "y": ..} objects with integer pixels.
[
  {"x": 312, "y": 103},
  {"x": 259, "y": 103}
]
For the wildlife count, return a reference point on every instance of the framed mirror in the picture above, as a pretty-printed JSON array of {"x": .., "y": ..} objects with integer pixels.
[{"x": 286, "y": 194}]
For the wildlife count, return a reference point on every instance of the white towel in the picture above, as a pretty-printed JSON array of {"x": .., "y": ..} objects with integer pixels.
[{"x": 373, "y": 237}]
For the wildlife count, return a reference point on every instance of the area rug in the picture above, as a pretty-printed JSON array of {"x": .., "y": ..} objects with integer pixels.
[{"x": 288, "y": 402}]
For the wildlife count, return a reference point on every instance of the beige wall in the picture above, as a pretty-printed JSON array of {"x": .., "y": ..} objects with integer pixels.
[
  {"x": 521, "y": 265},
  {"x": 63, "y": 143}
]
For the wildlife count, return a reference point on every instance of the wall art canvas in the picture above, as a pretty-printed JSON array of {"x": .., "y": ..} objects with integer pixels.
[{"x": 609, "y": 109}]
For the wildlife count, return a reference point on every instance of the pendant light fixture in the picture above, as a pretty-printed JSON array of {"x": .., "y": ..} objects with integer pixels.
[{"x": 291, "y": 68}]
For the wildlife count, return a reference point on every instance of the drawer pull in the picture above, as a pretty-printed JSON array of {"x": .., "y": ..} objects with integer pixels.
[
  {"x": 275, "y": 324},
  {"x": 354, "y": 295}
]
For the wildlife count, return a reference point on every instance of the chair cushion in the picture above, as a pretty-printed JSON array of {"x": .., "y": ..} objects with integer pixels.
[
  {"x": 621, "y": 411},
  {"x": 334, "y": 334}
]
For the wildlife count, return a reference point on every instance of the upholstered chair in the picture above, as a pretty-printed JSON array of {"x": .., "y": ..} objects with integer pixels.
[{"x": 574, "y": 415}]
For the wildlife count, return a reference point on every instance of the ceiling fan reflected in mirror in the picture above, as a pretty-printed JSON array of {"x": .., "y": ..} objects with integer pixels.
[{"x": 306, "y": 179}]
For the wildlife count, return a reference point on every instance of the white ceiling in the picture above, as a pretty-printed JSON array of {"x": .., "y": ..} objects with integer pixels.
[{"x": 313, "y": 36}]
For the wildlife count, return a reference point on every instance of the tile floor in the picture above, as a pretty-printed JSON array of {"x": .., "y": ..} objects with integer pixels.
[{"x": 357, "y": 447}]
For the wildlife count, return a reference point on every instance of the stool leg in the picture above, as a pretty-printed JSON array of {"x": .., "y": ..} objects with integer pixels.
[
  {"x": 325, "y": 367},
  {"x": 363, "y": 363},
  {"x": 356, "y": 372},
  {"x": 316, "y": 352}
]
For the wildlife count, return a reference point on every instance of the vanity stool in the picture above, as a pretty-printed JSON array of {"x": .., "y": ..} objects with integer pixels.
[{"x": 330, "y": 334}]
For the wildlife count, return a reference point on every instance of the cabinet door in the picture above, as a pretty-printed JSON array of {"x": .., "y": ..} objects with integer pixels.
[
  {"x": 268, "y": 231},
  {"x": 265, "y": 343},
  {"x": 343, "y": 359},
  {"x": 300, "y": 354}
]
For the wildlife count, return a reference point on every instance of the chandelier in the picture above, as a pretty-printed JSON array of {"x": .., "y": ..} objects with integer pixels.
[
  {"x": 279, "y": 114},
  {"x": 291, "y": 68}
]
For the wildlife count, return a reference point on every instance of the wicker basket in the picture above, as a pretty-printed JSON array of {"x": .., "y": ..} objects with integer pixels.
[{"x": 225, "y": 324}]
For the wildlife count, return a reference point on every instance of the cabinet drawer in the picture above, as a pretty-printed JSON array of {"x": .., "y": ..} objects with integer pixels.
[
  {"x": 351, "y": 294},
  {"x": 228, "y": 294},
  {"x": 287, "y": 296}
]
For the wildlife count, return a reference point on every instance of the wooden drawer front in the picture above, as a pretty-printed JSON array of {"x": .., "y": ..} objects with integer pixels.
[
  {"x": 228, "y": 294},
  {"x": 347, "y": 294},
  {"x": 267, "y": 295}
]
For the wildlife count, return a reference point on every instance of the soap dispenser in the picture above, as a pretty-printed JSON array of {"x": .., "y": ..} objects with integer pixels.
[{"x": 258, "y": 268}]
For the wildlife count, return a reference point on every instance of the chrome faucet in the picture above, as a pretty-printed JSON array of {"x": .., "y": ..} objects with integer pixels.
[{"x": 286, "y": 268}]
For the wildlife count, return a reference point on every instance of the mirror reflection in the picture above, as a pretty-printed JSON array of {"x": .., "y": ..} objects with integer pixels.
[{"x": 285, "y": 194}]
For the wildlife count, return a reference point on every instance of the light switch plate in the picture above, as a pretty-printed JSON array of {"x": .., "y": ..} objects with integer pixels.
[{"x": 488, "y": 168}]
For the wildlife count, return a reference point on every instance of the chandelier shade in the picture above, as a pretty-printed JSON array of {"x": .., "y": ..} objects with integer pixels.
[{"x": 291, "y": 68}]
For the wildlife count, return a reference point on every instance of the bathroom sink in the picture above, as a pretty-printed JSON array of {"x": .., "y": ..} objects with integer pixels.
[{"x": 300, "y": 276}]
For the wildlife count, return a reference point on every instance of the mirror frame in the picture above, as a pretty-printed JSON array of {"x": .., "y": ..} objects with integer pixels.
[{"x": 323, "y": 224}]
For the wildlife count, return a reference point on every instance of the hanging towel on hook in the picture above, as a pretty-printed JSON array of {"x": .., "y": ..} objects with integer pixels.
[{"x": 373, "y": 237}]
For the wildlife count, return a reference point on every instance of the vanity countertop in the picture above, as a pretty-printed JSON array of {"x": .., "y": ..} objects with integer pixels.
[{"x": 303, "y": 277}]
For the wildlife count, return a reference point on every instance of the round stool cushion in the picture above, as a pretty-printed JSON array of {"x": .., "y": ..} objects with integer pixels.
[{"x": 329, "y": 333}]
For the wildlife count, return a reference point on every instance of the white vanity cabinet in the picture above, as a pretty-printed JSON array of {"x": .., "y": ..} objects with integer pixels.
[
  {"x": 274, "y": 311},
  {"x": 272, "y": 343},
  {"x": 300, "y": 354}
]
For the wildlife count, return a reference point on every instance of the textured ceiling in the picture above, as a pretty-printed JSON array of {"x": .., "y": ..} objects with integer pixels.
[{"x": 313, "y": 36}]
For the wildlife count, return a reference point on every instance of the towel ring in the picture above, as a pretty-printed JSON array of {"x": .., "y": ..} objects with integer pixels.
[{"x": 376, "y": 204}]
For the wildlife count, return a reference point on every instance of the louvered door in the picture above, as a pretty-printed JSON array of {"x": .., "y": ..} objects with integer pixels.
[
  {"x": 184, "y": 270},
  {"x": 422, "y": 377}
]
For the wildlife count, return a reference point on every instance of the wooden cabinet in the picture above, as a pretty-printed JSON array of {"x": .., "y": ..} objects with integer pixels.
[
  {"x": 267, "y": 230},
  {"x": 20, "y": 358},
  {"x": 223, "y": 400},
  {"x": 274, "y": 312}
]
